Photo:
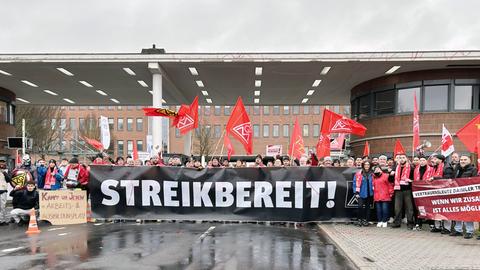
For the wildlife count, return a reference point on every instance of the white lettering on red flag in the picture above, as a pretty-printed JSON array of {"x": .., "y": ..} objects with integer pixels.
[{"x": 244, "y": 131}]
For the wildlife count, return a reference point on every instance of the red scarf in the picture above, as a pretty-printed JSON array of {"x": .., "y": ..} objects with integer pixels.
[
  {"x": 400, "y": 179},
  {"x": 50, "y": 178},
  {"x": 437, "y": 172},
  {"x": 426, "y": 175}
]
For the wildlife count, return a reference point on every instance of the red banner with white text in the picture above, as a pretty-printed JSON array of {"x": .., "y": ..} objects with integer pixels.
[{"x": 448, "y": 199}]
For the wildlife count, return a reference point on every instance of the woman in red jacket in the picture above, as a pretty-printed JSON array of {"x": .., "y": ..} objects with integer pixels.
[{"x": 382, "y": 195}]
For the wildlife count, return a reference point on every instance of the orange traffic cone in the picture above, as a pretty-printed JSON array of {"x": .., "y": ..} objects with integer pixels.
[
  {"x": 89, "y": 213},
  {"x": 32, "y": 225}
]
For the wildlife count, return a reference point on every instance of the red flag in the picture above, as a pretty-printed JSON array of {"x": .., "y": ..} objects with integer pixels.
[
  {"x": 447, "y": 142},
  {"x": 98, "y": 145},
  {"x": 229, "y": 146},
  {"x": 240, "y": 127},
  {"x": 399, "y": 150},
  {"x": 470, "y": 134},
  {"x": 135, "y": 151},
  {"x": 336, "y": 123},
  {"x": 296, "y": 148},
  {"x": 337, "y": 143},
  {"x": 187, "y": 118},
  {"x": 416, "y": 125},
  {"x": 323, "y": 146},
  {"x": 159, "y": 112},
  {"x": 18, "y": 160},
  {"x": 366, "y": 150}
]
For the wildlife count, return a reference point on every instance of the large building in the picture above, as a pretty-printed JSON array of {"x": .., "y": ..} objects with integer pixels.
[{"x": 379, "y": 86}]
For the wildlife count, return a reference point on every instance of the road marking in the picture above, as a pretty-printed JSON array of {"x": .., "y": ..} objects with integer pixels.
[
  {"x": 55, "y": 229},
  {"x": 97, "y": 224},
  {"x": 206, "y": 233},
  {"x": 12, "y": 249},
  {"x": 62, "y": 234}
]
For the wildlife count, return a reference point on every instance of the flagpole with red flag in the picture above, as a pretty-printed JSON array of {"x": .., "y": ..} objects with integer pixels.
[
  {"x": 469, "y": 135},
  {"x": 416, "y": 126},
  {"x": 296, "y": 148},
  {"x": 240, "y": 127},
  {"x": 366, "y": 150}
]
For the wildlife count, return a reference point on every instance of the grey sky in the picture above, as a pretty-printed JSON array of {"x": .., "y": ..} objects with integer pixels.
[{"x": 238, "y": 26}]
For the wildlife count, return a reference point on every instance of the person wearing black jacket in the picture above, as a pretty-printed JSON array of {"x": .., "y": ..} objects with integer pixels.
[
  {"x": 23, "y": 201},
  {"x": 464, "y": 170},
  {"x": 4, "y": 180}
]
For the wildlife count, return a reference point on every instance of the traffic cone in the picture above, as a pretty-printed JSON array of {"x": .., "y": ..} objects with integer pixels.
[
  {"x": 32, "y": 225},
  {"x": 89, "y": 213}
]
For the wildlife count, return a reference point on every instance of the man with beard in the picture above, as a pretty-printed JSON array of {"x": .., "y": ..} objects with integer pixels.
[
  {"x": 403, "y": 175},
  {"x": 450, "y": 167}
]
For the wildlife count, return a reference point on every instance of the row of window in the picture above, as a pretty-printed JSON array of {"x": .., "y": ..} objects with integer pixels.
[
  {"x": 90, "y": 123},
  {"x": 275, "y": 130},
  {"x": 7, "y": 113},
  {"x": 110, "y": 108},
  {"x": 121, "y": 147},
  {"x": 267, "y": 110},
  {"x": 446, "y": 96}
]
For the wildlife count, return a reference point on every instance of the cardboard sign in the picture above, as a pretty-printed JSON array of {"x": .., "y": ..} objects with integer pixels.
[{"x": 63, "y": 207}]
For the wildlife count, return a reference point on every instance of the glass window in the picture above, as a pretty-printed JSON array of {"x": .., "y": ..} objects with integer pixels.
[
  {"x": 120, "y": 124},
  {"x": 111, "y": 122},
  {"x": 3, "y": 112},
  {"x": 276, "y": 110},
  {"x": 129, "y": 108},
  {"x": 286, "y": 110},
  {"x": 71, "y": 108},
  {"x": 275, "y": 130},
  {"x": 216, "y": 131},
  {"x": 436, "y": 98},
  {"x": 266, "y": 110},
  {"x": 129, "y": 124},
  {"x": 256, "y": 131},
  {"x": 305, "y": 130},
  {"x": 228, "y": 110},
  {"x": 217, "y": 110},
  {"x": 256, "y": 110},
  {"x": 206, "y": 110},
  {"x": 405, "y": 99},
  {"x": 81, "y": 123},
  {"x": 208, "y": 129},
  {"x": 316, "y": 130},
  {"x": 139, "y": 124},
  {"x": 463, "y": 97},
  {"x": 364, "y": 106},
  {"x": 266, "y": 131},
  {"x": 296, "y": 109},
  {"x": 129, "y": 147},
  {"x": 306, "y": 109},
  {"x": 139, "y": 108},
  {"x": 73, "y": 125},
  {"x": 63, "y": 123},
  {"x": 111, "y": 108},
  {"x": 120, "y": 148},
  {"x": 286, "y": 129},
  {"x": 316, "y": 109},
  {"x": 139, "y": 145},
  {"x": 119, "y": 108},
  {"x": 12, "y": 115},
  {"x": 384, "y": 102},
  {"x": 81, "y": 108},
  {"x": 101, "y": 108},
  {"x": 91, "y": 107}
]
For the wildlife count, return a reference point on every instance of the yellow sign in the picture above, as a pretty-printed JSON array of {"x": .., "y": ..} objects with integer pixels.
[{"x": 63, "y": 207}]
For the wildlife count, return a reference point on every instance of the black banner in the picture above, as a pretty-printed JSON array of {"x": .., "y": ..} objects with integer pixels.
[{"x": 244, "y": 194}]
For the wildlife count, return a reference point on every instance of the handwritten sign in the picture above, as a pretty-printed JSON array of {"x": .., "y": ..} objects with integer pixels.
[{"x": 63, "y": 207}]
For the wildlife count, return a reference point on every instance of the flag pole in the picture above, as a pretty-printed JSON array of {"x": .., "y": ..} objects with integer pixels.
[{"x": 216, "y": 146}]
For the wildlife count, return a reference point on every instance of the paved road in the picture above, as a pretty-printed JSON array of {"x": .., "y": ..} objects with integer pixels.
[{"x": 168, "y": 246}]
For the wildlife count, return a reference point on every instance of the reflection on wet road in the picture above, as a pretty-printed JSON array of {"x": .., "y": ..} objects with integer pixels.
[{"x": 168, "y": 246}]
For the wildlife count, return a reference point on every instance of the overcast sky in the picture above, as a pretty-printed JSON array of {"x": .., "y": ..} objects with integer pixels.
[{"x": 238, "y": 26}]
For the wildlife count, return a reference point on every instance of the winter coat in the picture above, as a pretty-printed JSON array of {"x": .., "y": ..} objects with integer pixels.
[
  {"x": 362, "y": 184},
  {"x": 24, "y": 199},
  {"x": 468, "y": 171},
  {"x": 382, "y": 188},
  {"x": 55, "y": 181},
  {"x": 5, "y": 178},
  {"x": 82, "y": 176},
  {"x": 41, "y": 172}
]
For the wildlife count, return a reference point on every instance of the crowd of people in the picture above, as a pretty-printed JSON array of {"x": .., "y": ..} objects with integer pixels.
[{"x": 379, "y": 181}]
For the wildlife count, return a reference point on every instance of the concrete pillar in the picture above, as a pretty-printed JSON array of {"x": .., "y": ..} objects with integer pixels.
[
  {"x": 157, "y": 103},
  {"x": 187, "y": 144}
]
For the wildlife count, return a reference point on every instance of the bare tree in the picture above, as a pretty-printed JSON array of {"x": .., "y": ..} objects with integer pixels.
[
  {"x": 41, "y": 124},
  {"x": 204, "y": 143}
]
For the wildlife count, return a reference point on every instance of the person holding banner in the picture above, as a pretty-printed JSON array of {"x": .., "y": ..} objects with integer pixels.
[
  {"x": 464, "y": 170},
  {"x": 403, "y": 175},
  {"x": 363, "y": 186}
]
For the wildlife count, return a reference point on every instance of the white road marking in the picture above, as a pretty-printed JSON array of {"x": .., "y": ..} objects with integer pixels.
[
  {"x": 55, "y": 229},
  {"x": 97, "y": 224},
  {"x": 206, "y": 233},
  {"x": 12, "y": 249},
  {"x": 62, "y": 234}
]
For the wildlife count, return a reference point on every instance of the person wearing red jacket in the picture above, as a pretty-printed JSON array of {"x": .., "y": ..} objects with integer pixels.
[
  {"x": 76, "y": 175},
  {"x": 382, "y": 195}
]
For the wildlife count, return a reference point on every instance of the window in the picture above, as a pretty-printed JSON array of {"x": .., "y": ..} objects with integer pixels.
[
  {"x": 286, "y": 110},
  {"x": 216, "y": 131},
  {"x": 129, "y": 108},
  {"x": 111, "y": 122},
  {"x": 73, "y": 125},
  {"x": 306, "y": 109},
  {"x": 110, "y": 108},
  {"x": 120, "y": 148},
  {"x": 228, "y": 110},
  {"x": 316, "y": 130},
  {"x": 266, "y": 110},
  {"x": 120, "y": 124},
  {"x": 208, "y": 129},
  {"x": 384, "y": 102},
  {"x": 101, "y": 108},
  {"x": 256, "y": 131},
  {"x": 436, "y": 98},
  {"x": 275, "y": 130},
  {"x": 119, "y": 108},
  {"x": 91, "y": 107},
  {"x": 266, "y": 131},
  {"x": 206, "y": 110},
  {"x": 3, "y": 112},
  {"x": 463, "y": 97},
  {"x": 305, "y": 130},
  {"x": 364, "y": 106},
  {"x": 129, "y": 124},
  {"x": 286, "y": 129},
  {"x": 139, "y": 145},
  {"x": 316, "y": 109},
  {"x": 276, "y": 110},
  {"x": 71, "y": 108},
  {"x": 405, "y": 99},
  {"x": 91, "y": 123},
  {"x": 256, "y": 110},
  {"x": 81, "y": 108},
  {"x": 139, "y": 124},
  {"x": 12, "y": 114},
  {"x": 63, "y": 123},
  {"x": 217, "y": 110},
  {"x": 139, "y": 108},
  {"x": 129, "y": 147},
  {"x": 295, "y": 109},
  {"x": 81, "y": 123}
]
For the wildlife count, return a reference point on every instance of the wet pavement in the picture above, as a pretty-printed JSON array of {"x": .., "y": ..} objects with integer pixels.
[{"x": 168, "y": 246}]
